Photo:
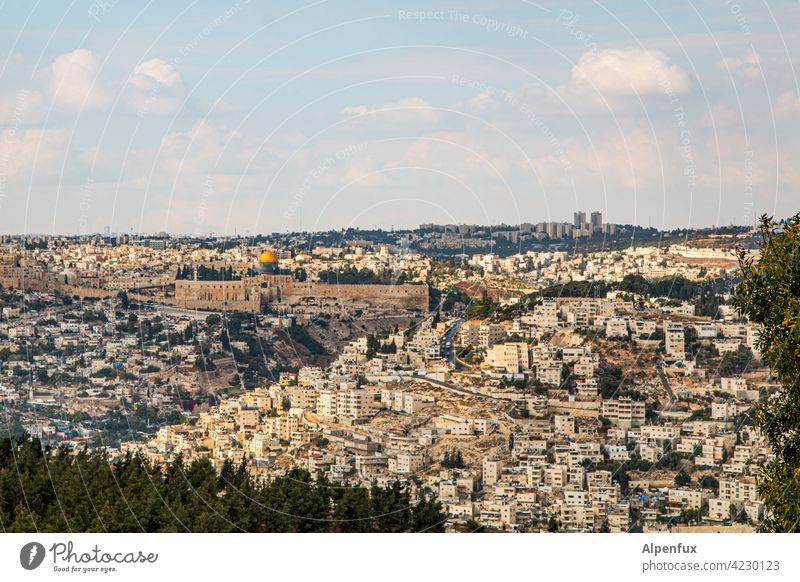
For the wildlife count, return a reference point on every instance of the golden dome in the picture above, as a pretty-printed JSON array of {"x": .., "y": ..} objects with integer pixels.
[{"x": 268, "y": 257}]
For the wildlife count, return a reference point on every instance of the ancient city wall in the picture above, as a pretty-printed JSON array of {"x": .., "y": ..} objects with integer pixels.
[
  {"x": 229, "y": 295},
  {"x": 247, "y": 295},
  {"x": 50, "y": 285},
  {"x": 382, "y": 296}
]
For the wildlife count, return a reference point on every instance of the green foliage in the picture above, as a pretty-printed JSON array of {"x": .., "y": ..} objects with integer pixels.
[
  {"x": 53, "y": 491},
  {"x": 207, "y": 274},
  {"x": 577, "y": 289},
  {"x": 373, "y": 345},
  {"x": 482, "y": 308},
  {"x": 390, "y": 348},
  {"x": 736, "y": 362},
  {"x": 453, "y": 297},
  {"x": 705, "y": 295},
  {"x": 473, "y": 526},
  {"x": 609, "y": 380},
  {"x": 205, "y": 364},
  {"x": 682, "y": 478},
  {"x": 124, "y": 303},
  {"x": 708, "y": 482},
  {"x": 453, "y": 460},
  {"x": 352, "y": 276},
  {"x": 769, "y": 295},
  {"x": 300, "y": 335}
]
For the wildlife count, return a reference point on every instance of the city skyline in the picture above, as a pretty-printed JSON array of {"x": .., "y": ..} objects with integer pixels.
[
  {"x": 106, "y": 231},
  {"x": 247, "y": 117}
]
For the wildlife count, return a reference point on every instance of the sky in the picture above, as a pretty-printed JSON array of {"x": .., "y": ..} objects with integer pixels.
[{"x": 256, "y": 117}]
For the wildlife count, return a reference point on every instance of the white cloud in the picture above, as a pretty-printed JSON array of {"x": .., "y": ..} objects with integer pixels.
[
  {"x": 405, "y": 115},
  {"x": 196, "y": 150},
  {"x": 74, "y": 82},
  {"x": 630, "y": 159},
  {"x": 787, "y": 104},
  {"x": 628, "y": 72},
  {"x": 154, "y": 88},
  {"x": 355, "y": 110},
  {"x": 215, "y": 148},
  {"x": 159, "y": 71},
  {"x": 22, "y": 151},
  {"x": 747, "y": 67}
]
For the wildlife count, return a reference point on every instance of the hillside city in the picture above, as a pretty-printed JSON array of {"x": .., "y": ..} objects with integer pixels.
[{"x": 564, "y": 376}]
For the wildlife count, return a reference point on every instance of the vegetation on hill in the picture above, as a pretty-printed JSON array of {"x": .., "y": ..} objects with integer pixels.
[
  {"x": 453, "y": 460},
  {"x": 706, "y": 295},
  {"x": 770, "y": 296},
  {"x": 52, "y": 491},
  {"x": 207, "y": 274},
  {"x": 735, "y": 362},
  {"x": 482, "y": 308},
  {"x": 353, "y": 276},
  {"x": 300, "y": 334}
]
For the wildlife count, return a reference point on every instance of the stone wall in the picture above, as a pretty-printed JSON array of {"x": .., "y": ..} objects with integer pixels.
[
  {"x": 216, "y": 295},
  {"x": 249, "y": 294},
  {"x": 406, "y": 297},
  {"x": 281, "y": 290},
  {"x": 51, "y": 285}
]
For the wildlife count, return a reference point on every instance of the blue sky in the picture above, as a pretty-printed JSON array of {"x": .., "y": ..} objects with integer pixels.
[{"x": 200, "y": 117}]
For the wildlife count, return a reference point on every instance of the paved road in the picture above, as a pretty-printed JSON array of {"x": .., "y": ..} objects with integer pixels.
[
  {"x": 665, "y": 382},
  {"x": 449, "y": 354}
]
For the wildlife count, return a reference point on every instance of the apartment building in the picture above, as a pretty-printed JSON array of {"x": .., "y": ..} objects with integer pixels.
[
  {"x": 624, "y": 412},
  {"x": 617, "y": 327},
  {"x": 549, "y": 373},
  {"x": 406, "y": 463},
  {"x": 492, "y": 469},
  {"x": 475, "y": 333},
  {"x": 513, "y": 357},
  {"x": 674, "y": 340}
]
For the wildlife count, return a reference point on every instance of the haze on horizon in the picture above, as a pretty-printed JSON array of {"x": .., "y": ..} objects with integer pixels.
[{"x": 263, "y": 117}]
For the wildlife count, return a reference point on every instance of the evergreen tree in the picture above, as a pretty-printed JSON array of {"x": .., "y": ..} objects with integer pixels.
[{"x": 54, "y": 491}]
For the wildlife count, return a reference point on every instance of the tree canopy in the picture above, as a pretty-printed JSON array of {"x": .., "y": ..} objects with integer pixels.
[
  {"x": 54, "y": 491},
  {"x": 769, "y": 295}
]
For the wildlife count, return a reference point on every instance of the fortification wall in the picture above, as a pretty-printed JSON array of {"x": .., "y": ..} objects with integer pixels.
[
  {"x": 50, "y": 285},
  {"x": 212, "y": 290},
  {"x": 248, "y": 294},
  {"x": 247, "y": 306},
  {"x": 382, "y": 296},
  {"x": 230, "y": 295}
]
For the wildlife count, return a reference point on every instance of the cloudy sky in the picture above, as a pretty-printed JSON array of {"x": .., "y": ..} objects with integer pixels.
[{"x": 262, "y": 116}]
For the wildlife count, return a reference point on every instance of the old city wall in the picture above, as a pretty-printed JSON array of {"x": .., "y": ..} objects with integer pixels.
[
  {"x": 49, "y": 285},
  {"x": 230, "y": 295},
  {"x": 408, "y": 297},
  {"x": 283, "y": 290},
  {"x": 237, "y": 295}
]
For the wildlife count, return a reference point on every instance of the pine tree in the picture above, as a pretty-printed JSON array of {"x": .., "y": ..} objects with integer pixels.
[
  {"x": 427, "y": 515},
  {"x": 89, "y": 492},
  {"x": 23, "y": 520}
]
